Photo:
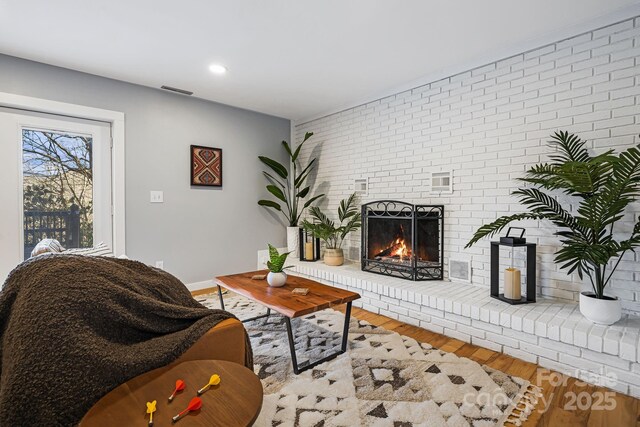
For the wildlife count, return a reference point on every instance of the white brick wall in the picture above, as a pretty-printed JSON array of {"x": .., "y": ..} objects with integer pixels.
[{"x": 489, "y": 125}]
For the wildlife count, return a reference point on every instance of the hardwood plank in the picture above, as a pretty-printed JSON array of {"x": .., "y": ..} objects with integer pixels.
[
  {"x": 622, "y": 413},
  {"x": 541, "y": 378},
  {"x": 203, "y": 291},
  {"x": 482, "y": 355},
  {"x": 452, "y": 345},
  {"x": 467, "y": 350}
]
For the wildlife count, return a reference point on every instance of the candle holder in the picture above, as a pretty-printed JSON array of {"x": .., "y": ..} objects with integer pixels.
[
  {"x": 309, "y": 246},
  {"x": 512, "y": 275}
]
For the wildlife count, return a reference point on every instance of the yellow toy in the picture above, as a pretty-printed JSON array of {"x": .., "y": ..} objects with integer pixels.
[
  {"x": 214, "y": 380},
  {"x": 151, "y": 408}
]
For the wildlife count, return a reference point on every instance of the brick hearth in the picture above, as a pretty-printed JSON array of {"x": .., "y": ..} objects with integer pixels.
[{"x": 551, "y": 333}]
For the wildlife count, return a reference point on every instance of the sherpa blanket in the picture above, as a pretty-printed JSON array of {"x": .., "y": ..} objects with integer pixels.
[{"x": 72, "y": 328}]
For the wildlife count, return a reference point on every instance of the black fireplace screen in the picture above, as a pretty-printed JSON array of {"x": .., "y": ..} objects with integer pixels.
[{"x": 403, "y": 240}]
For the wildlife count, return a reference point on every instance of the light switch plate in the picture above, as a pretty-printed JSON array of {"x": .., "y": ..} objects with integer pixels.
[{"x": 157, "y": 197}]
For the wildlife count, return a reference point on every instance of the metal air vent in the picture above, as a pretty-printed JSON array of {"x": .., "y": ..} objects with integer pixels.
[{"x": 175, "y": 89}]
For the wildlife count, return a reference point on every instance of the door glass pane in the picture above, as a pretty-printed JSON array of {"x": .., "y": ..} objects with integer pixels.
[{"x": 57, "y": 188}]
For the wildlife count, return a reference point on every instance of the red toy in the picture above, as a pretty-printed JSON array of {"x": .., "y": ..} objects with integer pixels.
[
  {"x": 194, "y": 405},
  {"x": 179, "y": 386}
]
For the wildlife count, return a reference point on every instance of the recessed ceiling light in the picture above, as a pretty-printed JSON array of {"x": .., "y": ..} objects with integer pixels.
[{"x": 217, "y": 69}]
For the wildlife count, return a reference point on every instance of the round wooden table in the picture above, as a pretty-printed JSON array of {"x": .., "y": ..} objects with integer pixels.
[{"x": 236, "y": 401}]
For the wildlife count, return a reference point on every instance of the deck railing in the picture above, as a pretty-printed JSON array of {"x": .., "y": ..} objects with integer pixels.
[{"x": 64, "y": 226}]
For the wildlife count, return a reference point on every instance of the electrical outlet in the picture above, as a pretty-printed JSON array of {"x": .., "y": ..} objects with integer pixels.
[
  {"x": 160, "y": 265},
  {"x": 156, "y": 197}
]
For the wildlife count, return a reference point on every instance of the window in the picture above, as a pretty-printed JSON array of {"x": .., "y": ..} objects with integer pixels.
[{"x": 57, "y": 188}]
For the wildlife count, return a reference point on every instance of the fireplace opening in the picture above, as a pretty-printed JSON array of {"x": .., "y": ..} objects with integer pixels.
[{"x": 403, "y": 240}]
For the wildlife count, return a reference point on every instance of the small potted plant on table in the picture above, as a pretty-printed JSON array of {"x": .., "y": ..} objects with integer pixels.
[
  {"x": 333, "y": 235},
  {"x": 276, "y": 277}
]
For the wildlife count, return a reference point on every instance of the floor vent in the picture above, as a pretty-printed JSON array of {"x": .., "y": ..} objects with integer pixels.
[{"x": 175, "y": 89}]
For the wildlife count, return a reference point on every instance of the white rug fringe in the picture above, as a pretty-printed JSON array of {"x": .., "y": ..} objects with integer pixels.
[{"x": 525, "y": 405}]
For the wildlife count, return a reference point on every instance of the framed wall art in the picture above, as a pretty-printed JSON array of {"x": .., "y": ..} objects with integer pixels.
[{"x": 206, "y": 166}]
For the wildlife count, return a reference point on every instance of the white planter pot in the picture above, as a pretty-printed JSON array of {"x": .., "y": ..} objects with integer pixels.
[
  {"x": 276, "y": 279},
  {"x": 602, "y": 311},
  {"x": 293, "y": 241}
]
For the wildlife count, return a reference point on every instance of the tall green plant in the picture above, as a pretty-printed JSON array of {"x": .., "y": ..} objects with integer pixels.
[
  {"x": 326, "y": 229},
  {"x": 603, "y": 186},
  {"x": 289, "y": 188}
]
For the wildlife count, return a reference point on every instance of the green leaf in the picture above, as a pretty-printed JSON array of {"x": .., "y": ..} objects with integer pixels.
[
  {"x": 311, "y": 200},
  {"x": 299, "y": 180},
  {"x": 498, "y": 225},
  {"x": 302, "y": 194},
  {"x": 273, "y": 179},
  {"x": 571, "y": 148},
  {"x": 287, "y": 148},
  {"x": 297, "y": 152},
  {"x": 269, "y": 204},
  {"x": 324, "y": 228},
  {"x": 276, "y": 192},
  {"x": 275, "y": 166},
  {"x": 347, "y": 208},
  {"x": 276, "y": 260}
]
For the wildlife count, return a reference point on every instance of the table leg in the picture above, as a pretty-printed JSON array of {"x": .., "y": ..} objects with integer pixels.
[
  {"x": 306, "y": 365},
  {"x": 345, "y": 331},
  {"x": 292, "y": 346},
  {"x": 220, "y": 296}
]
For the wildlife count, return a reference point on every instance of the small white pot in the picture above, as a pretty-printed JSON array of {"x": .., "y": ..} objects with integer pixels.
[
  {"x": 601, "y": 311},
  {"x": 293, "y": 241},
  {"x": 276, "y": 279}
]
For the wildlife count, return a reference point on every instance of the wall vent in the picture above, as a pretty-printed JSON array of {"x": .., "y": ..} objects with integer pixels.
[
  {"x": 442, "y": 182},
  {"x": 175, "y": 89},
  {"x": 361, "y": 186},
  {"x": 460, "y": 270}
]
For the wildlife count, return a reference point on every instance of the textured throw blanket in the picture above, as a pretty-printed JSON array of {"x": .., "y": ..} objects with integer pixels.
[{"x": 72, "y": 328}]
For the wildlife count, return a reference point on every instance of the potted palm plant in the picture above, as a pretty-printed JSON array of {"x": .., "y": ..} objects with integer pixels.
[
  {"x": 289, "y": 189},
  {"x": 276, "y": 276},
  {"x": 602, "y": 187},
  {"x": 333, "y": 235}
]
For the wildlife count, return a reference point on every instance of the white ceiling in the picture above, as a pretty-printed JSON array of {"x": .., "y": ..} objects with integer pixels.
[{"x": 290, "y": 58}]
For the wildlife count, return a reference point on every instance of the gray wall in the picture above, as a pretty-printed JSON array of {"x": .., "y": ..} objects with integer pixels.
[{"x": 197, "y": 232}]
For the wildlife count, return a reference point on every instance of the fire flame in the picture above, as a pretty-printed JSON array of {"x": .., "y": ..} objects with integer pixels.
[
  {"x": 396, "y": 249},
  {"x": 400, "y": 249}
]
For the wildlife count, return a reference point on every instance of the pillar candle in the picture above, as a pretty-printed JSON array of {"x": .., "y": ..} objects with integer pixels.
[
  {"x": 512, "y": 283},
  {"x": 308, "y": 251}
]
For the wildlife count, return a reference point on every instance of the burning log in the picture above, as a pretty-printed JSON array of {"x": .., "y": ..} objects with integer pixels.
[{"x": 391, "y": 250}]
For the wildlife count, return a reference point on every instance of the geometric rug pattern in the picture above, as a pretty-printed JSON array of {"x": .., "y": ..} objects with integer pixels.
[{"x": 383, "y": 380}]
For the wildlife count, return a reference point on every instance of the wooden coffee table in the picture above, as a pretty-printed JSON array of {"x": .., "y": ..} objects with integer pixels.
[
  {"x": 289, "y": 305},
  {"x": 236, "y": 401}
]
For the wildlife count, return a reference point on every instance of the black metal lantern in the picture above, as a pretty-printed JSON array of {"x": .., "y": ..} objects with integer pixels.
[
  {"x": 309, "y": 246},
  {"x": 512, "y": 278}
]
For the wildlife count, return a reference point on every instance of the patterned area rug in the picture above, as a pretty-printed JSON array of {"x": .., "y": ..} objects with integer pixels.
[{"x": 384, "y": 379}]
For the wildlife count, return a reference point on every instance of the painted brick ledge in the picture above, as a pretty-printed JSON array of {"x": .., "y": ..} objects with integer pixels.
[{"x": 551, "y": 333}]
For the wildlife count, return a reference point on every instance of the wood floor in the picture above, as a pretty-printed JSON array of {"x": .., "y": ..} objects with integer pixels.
[
  {"x": 562, "y": 409},
  {"x": 558, "y": 389}
]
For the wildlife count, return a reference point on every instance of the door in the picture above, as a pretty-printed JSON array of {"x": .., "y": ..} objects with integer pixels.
[{"x": 56, "y": 174}]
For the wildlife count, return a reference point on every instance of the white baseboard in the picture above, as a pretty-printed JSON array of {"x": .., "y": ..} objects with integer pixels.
[{"x": 200, "y": 285}]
